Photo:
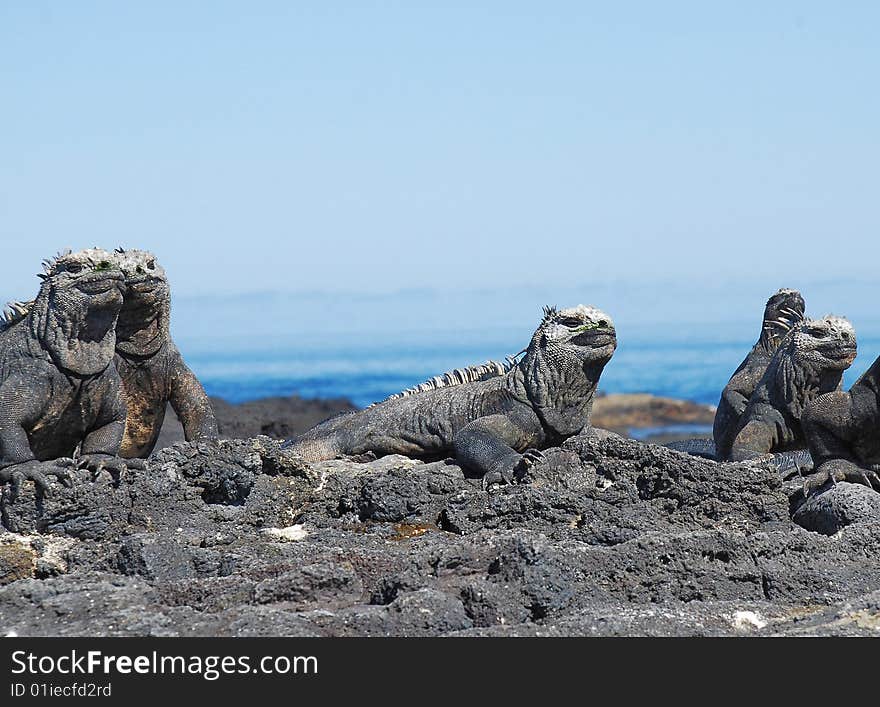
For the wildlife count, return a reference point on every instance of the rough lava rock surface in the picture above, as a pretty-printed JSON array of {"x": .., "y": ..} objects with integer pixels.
[{"x": 608, "y": 537}]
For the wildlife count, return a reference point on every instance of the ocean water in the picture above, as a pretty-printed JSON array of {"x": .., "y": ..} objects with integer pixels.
[
  {"x": 676, "y": 338},
  {"x": 687, "y": 363}
]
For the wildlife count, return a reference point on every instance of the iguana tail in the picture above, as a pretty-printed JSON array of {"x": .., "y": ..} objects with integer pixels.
[
  {"x": 320, "y": 443},
  {"x": 695, "y": 447},
  {"x": 791, "y": 463},
  {"x": 788, "y": 464}
]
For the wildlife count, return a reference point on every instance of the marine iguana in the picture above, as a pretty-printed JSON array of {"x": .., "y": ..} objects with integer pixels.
[
  {"x": 809, "y": 361},
  {"x": 494, "y": 417},
  {"x": 58, "y": 389},
  {"x": 152, "y": 370},
  {"x": 782, "y": 311},
  {"x": 843, "y": 434}
]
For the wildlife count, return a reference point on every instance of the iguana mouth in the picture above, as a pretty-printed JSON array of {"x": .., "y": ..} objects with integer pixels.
[
  {"x": 143, "y": 283},
  {"x": 595, "y": 338},
  {"x": 100, "y": 282},
  {"x": 847, "y": 355}
]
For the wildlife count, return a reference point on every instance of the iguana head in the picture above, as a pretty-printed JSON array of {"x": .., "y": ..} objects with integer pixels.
[
  {"x": 811, "y": 360},
  {"x": 563, "y": 362},
  {"x": 584, "y": 334},
  {"x": 782, "y": 312},
  {"x": 144, "y": 319},
  {"x": 827, "y": 344},
  {"x": 74, "y": 315}
]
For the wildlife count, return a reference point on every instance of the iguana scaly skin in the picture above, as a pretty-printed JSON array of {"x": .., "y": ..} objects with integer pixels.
[
  {"x": 493, "y": 425},
  {"x": 58, "y": 389},
  {"x": 810, "y": 361},
  {"x": 782, "y": 311},
  {"x": 843, "y": 433},
  {"x": 152, "y": 370}
]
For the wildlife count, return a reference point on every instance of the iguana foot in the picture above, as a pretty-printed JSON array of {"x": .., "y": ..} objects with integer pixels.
[
  {"x": 365, "y": 458},
  {"x": 113, "y": 465},
  {"x": 529, "y": 458},
  {"x": 840, "y": 470},
  {"x": 35, "y": 471},
  {"x": 503, "y": 478},
  {"x": 517, "y": 473}
]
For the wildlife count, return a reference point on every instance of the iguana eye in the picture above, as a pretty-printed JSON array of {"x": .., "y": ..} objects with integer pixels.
[
  {"x": 570, "y": 322},
  {"x": 602, "y": 323},
  {"x": 151, "y": 265},
  {"x": 73, "y": 268}
]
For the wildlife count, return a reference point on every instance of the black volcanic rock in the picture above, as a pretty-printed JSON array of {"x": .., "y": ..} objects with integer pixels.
[
  {"x": 279, "y": 418},
  {"x": 608, "y": 537}
]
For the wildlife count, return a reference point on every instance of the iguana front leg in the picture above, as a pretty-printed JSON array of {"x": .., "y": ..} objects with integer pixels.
[
  {"x": 35, "y": 471},
  {"x": 731, "y": 407},
  {"x": 837, "y": 470},
  {"x": 489, "y": 445},
  {"x": 191, "y": 403},
  {"x": 828, "y": 422},
  {"x": 737, "y": 401},
  {"x": 755, "y": 438},
  {"x": 832, "y": 424},
  {"x": 100, "y": 449},
  {"x": 21, "y": 402}
]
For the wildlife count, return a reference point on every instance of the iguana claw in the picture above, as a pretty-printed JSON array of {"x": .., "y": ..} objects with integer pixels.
[
  {"x": 37, "y": 472},
  {"x": 511, "y": 476},
  {"x": 504, "y": 477},
  {"x": 115, "y": 466},
  {"x": 532, "y": 456},
  {"x": 529, "y": 457},
  {"x": 840, "y": 470}
]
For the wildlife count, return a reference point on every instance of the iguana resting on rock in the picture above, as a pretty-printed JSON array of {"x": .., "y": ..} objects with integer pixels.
[
  {"x": 58, "y": 389},
  {"x": 782, "y": 312},
  {"x": 494, "y": 417},
  {"x": 810, "y": 361},
  {"x": 843, "y": 434},
  {"x": 152, "y": 370}
]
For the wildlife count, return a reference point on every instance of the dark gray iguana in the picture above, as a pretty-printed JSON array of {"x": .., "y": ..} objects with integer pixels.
[
  {"x": 782, "y": 311},
  {"x": 152, "y": 370},
  {"x": 59, "y": 392},
  {"x": 843, "y": 434},
  {"x": 494, "y": 417},
  {"x": 809, "y": 362}
]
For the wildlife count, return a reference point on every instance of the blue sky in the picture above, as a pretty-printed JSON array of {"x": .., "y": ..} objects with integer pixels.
[{"x": 370, "y": 147}]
